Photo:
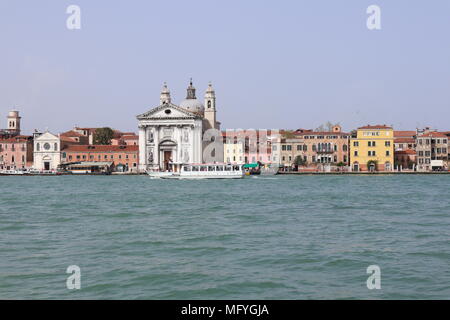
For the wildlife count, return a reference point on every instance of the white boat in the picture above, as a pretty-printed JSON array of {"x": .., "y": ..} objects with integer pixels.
[
  {"x": 12, "y": 172},
  {"x": 202, "y": 171}
]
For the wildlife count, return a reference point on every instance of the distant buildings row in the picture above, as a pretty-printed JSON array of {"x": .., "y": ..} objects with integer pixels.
[{"x": 170, "y": 135}]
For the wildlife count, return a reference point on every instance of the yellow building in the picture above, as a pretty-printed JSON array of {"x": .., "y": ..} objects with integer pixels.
[
  {"x": 234, "y": 152},
  {"x": 372, "y": 149}
]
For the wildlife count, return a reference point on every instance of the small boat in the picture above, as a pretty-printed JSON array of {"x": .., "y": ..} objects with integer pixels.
[{"x": 202, "y": 171}]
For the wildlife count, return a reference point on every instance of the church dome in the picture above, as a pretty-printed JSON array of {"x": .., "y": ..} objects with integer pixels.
[{"x": 191, "y": 103}]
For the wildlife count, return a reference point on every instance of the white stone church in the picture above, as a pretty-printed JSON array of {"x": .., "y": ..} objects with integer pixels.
[{"x": 172, "y": 134}]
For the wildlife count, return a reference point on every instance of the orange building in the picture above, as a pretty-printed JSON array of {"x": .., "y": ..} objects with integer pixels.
[{"x": 124, "y": 157}]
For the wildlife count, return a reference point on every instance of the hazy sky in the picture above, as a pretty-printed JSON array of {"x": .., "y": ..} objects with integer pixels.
[{"x": 274, "y": 64}]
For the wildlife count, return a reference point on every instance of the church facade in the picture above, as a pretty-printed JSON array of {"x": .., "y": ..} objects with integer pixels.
[{"x": 170, "y": 135}]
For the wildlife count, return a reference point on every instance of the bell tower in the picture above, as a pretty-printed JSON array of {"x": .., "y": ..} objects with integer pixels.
[
  {"x": 210, "y": 107},
  {"x": 13, "y": 122},
  {"x": 165, "y": 95}
]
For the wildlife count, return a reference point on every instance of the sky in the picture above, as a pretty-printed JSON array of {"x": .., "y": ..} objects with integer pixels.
[{"x": 274, "y": 64}]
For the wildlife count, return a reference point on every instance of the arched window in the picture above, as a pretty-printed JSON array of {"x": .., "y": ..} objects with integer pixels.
[
  {"x": 344, "y": 147},
  {"x": 38, "y": 147},
  {"x": 56, "y": 146},
  {"x": 209, "y": 103}
]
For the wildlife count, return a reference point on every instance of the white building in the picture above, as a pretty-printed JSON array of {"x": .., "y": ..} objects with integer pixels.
[
  {"x": 47, "y": 151},
  {"x": 172, "y": 134}
]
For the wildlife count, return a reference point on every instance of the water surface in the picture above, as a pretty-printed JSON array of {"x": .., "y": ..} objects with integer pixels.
[{"x": 281, "y": 237}]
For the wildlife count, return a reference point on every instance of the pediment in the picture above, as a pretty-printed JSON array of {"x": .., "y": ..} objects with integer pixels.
[
  {"x": 167, "y": 111},
  {"x": 47, "y": 136}
]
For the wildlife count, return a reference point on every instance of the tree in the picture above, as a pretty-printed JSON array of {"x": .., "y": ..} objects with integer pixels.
[
  {"x": 299, "y": 161},
  {"x": 103, "y": 136},
  {"x": 288, "y": 134},
  {"x": 373, "y": 163},
  {"x": 326, "y": 127}
]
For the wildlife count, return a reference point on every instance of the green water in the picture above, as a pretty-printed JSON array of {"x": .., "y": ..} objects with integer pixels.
[{"x": 282, "y": 237}]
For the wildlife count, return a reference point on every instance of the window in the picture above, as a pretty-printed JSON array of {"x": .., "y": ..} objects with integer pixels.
[
  {"x": 344, "y": 148},
  {"x": 305, "y": 147},
  {"x": 299, "y": 147},
  {"x": 283, "y": 147},
  {"x": 56, "y": 146},
  {"x": 274, "y": 148},
  {"x": 388, "y": 153},
  {"x": 289, "y": 147},
  {"x": 387, "y": 143},
  {"x": 38, "y": 147},
  {"x": 371, "y": 153},
  {"x": 356, "y": 153},
  {"x": 356, "y": 143},
  {"x": 313, "y": 158}
]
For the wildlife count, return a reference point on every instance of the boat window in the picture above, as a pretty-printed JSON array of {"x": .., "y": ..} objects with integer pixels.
[
  {"x": 236, "y": 168},
  {"x": 219, "y": 168},
  {"x": 187, "y": 169},
  {"x": 194, "y": 168},
  {"x": 227, "y": 168},
  {"x": 211, "y": 168},
  {"x": 203, "y": 168}
]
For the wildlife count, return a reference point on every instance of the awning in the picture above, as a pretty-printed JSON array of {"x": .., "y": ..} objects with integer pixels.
[{"x": 250, "y": 165}]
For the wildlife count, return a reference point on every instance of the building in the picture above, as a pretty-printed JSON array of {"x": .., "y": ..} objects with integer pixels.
[
  {"x": 405, "y": 140},
  {"x": 233, "y": 148},
  {"x": 372, "y": 149},
  {"x": 126, "y": 139},
  {"x": 89, "y": 133},
  {"x": 124, "y": 158},
  {"x": 248, "y": 146},
  {"x": 16, "y": 152},
  {"x": 313, "y": 149},
  {"x": 432, "y": 150},
  {"x": 405, "y": 150},
  {"x": 405, "y": 160},
  {"x": 47, "y": 151},
  {"x": 324, "y": 147},
  {"x": 170, "y": 134}
]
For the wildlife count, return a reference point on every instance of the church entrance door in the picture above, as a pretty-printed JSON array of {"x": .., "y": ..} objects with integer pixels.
[
  {"x": 167, "y": 160},
  {"x": 46, "y": 165}
]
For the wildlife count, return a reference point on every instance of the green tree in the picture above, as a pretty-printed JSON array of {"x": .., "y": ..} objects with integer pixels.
[
  {"x": 103, "y": 136},
  {"x": 374, "y": 163},
  {"x": 299, "y": 161}
]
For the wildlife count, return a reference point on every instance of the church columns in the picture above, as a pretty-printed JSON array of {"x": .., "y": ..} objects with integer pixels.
[{"x": 142, "y": 148}]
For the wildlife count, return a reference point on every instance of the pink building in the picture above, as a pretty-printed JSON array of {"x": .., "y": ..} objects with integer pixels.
[{"x": 16, "y": 152}]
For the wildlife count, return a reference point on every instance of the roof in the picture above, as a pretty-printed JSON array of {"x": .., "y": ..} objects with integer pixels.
[
  {"x": 100, "y": 148},
  {"x": 322, "y": 133},
  {"x": 130, "y": 137},
  {"x": 67, "y": 139},
  {"x": 404, "y": 140},
  {"x": 401, "y": 134},
  {"x": 71, "y": 133},
  {"x": 377, "y": 126},
  {"x": 433, "y": 135},
  {"x": 16, "y": 139}
]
